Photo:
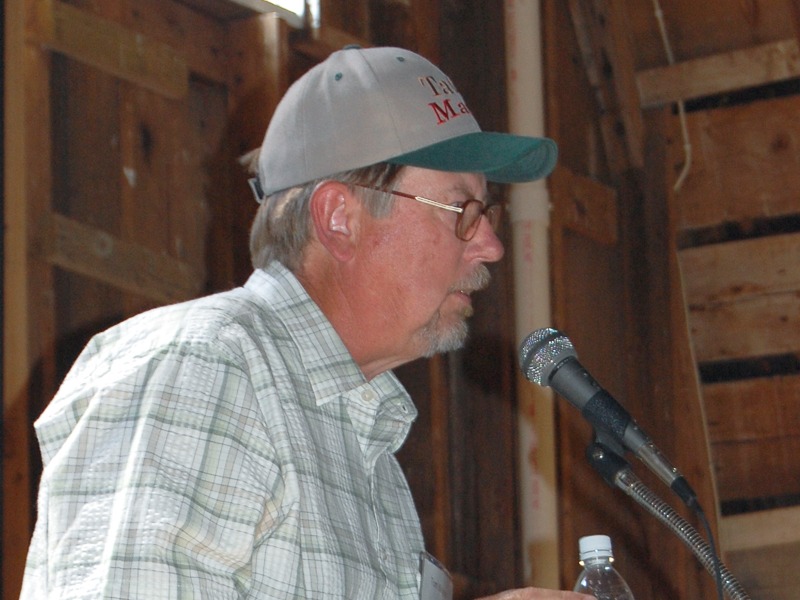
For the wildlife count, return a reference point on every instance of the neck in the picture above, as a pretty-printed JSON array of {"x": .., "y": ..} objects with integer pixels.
[{"x": 365, "y": 333}]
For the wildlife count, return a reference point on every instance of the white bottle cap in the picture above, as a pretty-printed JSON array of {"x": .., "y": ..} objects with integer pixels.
[{"x": 595, "y": 546}]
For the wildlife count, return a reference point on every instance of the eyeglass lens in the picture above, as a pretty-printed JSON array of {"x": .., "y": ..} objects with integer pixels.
[{"x": 470, "y": 219}]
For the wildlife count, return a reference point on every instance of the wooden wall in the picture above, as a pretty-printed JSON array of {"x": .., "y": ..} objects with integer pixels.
[
  {"x": 706, "y": 320},
  {"x": 616, "y": 294},
  {"x": 114, "y": 115},
  {"x": 737, "y": 226},
  {"x": 124, "y": 122},
  {"x": 127, "y": 118}
]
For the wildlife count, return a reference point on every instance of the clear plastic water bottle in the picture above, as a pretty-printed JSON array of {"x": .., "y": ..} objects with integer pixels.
[{"x": 599, "y": 578}]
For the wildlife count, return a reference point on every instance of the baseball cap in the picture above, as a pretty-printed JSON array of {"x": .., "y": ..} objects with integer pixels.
[{"x": 363, "y": 106}]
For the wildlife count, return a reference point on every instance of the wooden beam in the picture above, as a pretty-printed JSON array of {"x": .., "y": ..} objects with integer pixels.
[
  {"x": 619, "y": 48},
  {"x": 94, "y": 253},
  {"x": 259, "y": 72},
  {"x": 426, "y": 19},
  {"x": 351, "y": 16},
  {"x": 106, "y": 45},
  {"x": 28, "y": 315},
  {"x": 590, "y": 57},
  {"x": 602, "y": 29},
  {"x": 720, "y": 73},
  {"x": 198, "y": 38},
  {"x": 586, "y": 206},
  {"x": 324, "y": 40}
]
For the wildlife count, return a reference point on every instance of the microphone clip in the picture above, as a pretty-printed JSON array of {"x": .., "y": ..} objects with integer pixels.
[{"x": 605, "y": 455}]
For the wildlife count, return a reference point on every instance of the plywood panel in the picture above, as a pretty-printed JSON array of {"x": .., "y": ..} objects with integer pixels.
[{"x": 746, "y": 164}]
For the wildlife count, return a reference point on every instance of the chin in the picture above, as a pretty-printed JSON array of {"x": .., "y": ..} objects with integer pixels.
[{"x": 445, "y": 339}]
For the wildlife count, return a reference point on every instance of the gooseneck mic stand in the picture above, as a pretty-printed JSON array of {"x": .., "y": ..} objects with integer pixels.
[{"x": 607, "y": 460}]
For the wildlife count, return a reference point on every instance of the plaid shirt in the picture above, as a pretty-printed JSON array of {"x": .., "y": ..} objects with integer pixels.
[{"x": 227, "y": 447}]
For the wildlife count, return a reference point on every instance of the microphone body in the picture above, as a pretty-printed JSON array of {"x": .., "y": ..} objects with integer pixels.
[{"x": 548, "y": 358}]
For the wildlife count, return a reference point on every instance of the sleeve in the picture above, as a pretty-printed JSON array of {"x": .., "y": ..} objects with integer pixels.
[{"x": 160, "y": 489}]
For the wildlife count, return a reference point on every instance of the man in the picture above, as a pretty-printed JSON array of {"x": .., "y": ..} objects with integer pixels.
[{"x": 242, "y": 445}]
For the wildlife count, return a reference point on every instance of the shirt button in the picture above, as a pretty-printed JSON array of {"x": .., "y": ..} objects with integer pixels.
[{"x": 368, "y": 395}]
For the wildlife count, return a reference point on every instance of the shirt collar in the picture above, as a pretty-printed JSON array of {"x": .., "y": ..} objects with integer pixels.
[{"x": 329, "y": 365}]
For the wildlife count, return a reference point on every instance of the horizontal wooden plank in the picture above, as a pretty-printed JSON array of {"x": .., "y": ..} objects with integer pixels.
[
  {"x": 741, "y": 270},
  {"x": 762, "y": 326},
  {"x": 719, "y": 73},
  {"x": 763, "y": 468},
  {"x": 744, "y": 166},
  {"x": 95, "y": 253},
  {"x": 585, "y": 205},
  {"x": 759, "y": 529},
  {"x": 760, "y": 549},
  {"x": 753, "y": 409},
  {"x": 768, "y": 573},
  {"x": 754, "y": 431},
  {"x": 108, "y": 46}
]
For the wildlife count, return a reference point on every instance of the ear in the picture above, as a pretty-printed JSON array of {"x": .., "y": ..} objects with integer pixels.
[{"x": 334, "y": 213}]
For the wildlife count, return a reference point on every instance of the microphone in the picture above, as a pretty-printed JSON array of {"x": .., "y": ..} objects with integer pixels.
[{"x": 547, "y": 358}]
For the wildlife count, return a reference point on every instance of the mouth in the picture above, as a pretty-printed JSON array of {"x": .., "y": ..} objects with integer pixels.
[
  {"x": 464, "y": 298},
  {"x": 477, "y": 281},
  {"x": 463, "y": 292}
]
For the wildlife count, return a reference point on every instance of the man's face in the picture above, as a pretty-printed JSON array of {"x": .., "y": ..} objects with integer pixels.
[{"x": 420, "y": 274}]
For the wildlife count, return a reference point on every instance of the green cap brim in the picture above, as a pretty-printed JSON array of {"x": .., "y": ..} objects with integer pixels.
[{"x": 501, "y": 157}]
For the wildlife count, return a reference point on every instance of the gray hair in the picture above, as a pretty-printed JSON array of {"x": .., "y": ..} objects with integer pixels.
[{"x": 281, "y": 229}]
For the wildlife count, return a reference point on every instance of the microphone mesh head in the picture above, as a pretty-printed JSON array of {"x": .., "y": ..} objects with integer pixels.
[{"x": 541, "y": 352}]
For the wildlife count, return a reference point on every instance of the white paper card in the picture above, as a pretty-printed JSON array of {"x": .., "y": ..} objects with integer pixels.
[{"x": 436, "y": 581}]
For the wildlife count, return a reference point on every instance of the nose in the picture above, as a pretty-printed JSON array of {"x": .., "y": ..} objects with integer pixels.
[{"x": 485, "y": 245}]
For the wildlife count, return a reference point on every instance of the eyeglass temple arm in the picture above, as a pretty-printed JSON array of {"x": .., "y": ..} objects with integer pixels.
[{"x": 450, "y": 207}]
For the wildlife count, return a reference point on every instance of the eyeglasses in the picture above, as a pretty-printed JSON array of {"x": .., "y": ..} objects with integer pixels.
[{"x": 469, "y": 212}]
